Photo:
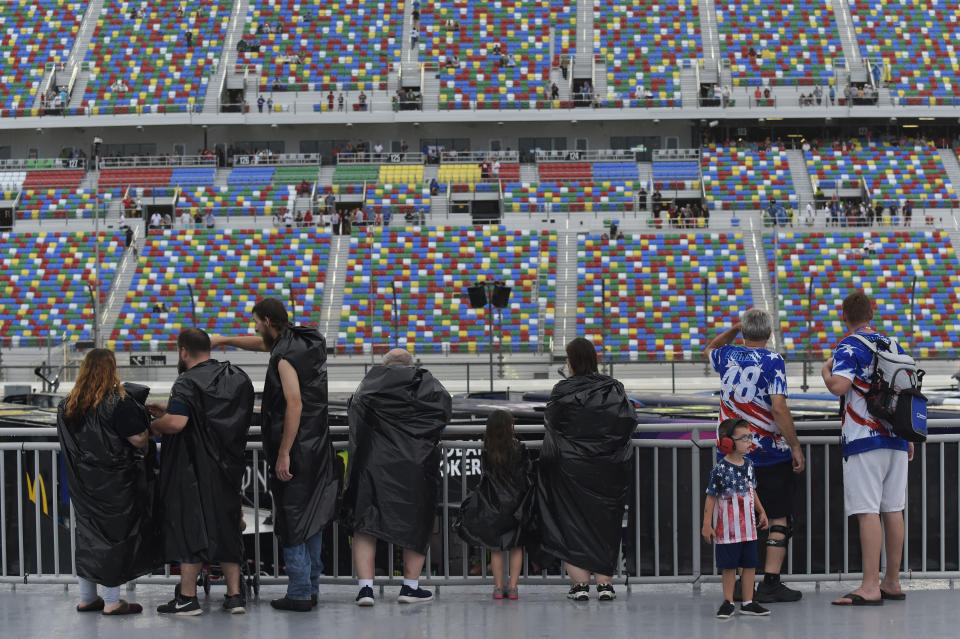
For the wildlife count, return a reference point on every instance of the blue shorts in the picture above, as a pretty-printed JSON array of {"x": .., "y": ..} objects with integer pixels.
[{"x": 742, "y": 554}]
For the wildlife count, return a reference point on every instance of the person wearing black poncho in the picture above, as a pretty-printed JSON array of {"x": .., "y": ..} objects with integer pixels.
[
  {"x": 393, "y": 478},
  {"x": 204, "y": 427},
  {"x": 584, "y": 472},
  {"x": 110, "y": 466},
  {"x": 305, "y": 478}
]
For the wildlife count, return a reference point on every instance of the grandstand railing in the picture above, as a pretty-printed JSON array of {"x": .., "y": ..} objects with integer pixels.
[
  {"x": 468, "y": 157},
  {"x": 380, "y": 158},
  {"x": 660, "y": 541},
  {"x": 147, "y": 161},
  {"x": 32, "y": 164},
  {"x": 592, "y": 155},
  {"x": 281, "y": 159}
]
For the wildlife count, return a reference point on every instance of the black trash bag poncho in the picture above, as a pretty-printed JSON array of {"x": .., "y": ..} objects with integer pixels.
[
  {"x": 393, "y": 475},
  {"x": 112, "y": 487},
  {"x": 495, "y": 514},
  {"x": 306, "y": 504},
  {"x": 584, "y": 471},
  {"x": 202, "y": 466}
]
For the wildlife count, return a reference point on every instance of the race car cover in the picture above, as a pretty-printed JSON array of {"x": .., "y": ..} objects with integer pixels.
[
  {"x": 393, "y": 475},
  {"x": 495, "y": 513},
  {"x": 112, "y": 487},
  {"x": 306, "y": 504},
  {"x": 202, "y": 466},
  {"x": 584, "y": 471}
]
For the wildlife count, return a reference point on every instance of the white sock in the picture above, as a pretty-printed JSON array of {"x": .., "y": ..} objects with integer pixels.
[
  {"x": 413, "y": 584},
  {"x": 366, "y": 583},
  {"x": 746, "y": 603}
]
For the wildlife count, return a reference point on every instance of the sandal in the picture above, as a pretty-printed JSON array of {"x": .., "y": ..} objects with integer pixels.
[
  {"x": 124, "y": 609},
  {"x": 857, "y": 600},
  {"x": 892, "y": 596},
  {"x": 94, "y": 606}
]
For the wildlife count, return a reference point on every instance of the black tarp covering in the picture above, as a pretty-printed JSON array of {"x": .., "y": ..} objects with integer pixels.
[
  {"x": 202, "y": 466},
  {"x": 495, "y": 513},
  {"x": 112, "y": 487},
  {"x": 393, "y": 478},
  {"x": 584, "y": 471},
  {"x": 306, "y": 504}
]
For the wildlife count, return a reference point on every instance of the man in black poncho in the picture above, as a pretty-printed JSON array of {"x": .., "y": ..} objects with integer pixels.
[
  {"x": 584, "y": 472},
  {"x": 204, "y": 427},
  {"x": 393, "y": 478},
  {"x": 305, "y": 482}
]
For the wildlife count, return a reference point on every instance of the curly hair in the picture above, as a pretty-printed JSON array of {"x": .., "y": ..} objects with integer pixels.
[{"x": 97, "y": 380}]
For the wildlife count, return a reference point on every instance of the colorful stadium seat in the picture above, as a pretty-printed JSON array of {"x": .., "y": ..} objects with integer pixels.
[
  {"x": 344, "y": 45},
  {"x": 795, "y": 44},
  {"x": 836, "y": 264},
  {"x": 746, "y": 179},
  {"x": 61, "y": 204},
  {"x": 229, "y": 271},
  {"x": 676, "y": 175},
  {"x": 666, "y": 295},
  {"x": 431, "y": 268},
  {"x": 564, "y": 197},
  {"x": 238, "y": 200},
  {"x": 44, "y": 297}
]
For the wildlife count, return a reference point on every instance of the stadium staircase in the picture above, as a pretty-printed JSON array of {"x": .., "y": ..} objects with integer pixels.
[
  {"x": 528, "y": 173},
  {"x": 431, "y": 91},
  {"x": 802, "y": 185},
  {"x": 80, "y": 47},
  {"x": 582, "y": 66},
  {"x": 238, "y": 21},
  {"x": 689, "y": 88},
  {"x": 952, "y": 167},
  {"x": 222, "y": 177},
  {"x": 708, "y": 32},
  {"x": 851, "y": 49},
  {"x": 121, "y": 283},
  {"x": 326, "y": 176},
  {"x": 565, "y": 328},
  {"x": 760, "y": 279},
  {"x": 333, "y": 287}
]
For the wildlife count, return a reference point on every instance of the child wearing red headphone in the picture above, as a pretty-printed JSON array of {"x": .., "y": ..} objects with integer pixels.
[{"x": 728, "y": 515}]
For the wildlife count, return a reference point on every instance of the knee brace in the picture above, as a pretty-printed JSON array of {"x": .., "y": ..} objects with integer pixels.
[{"x": 786, "y": 531}]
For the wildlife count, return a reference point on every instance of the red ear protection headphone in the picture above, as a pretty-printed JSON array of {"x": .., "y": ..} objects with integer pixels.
[{"x": 725, "y": 443}]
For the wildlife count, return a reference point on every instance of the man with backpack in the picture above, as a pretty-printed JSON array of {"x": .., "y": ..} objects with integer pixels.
[{"x": 875, "y": 457}]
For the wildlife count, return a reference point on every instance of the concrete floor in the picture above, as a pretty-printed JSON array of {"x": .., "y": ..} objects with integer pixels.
[{"x": 669, "y": 611}]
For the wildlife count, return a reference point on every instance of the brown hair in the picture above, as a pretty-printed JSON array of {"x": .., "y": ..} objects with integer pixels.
[
  {"x": 97, "y": 380},
  {"x": 499, "y": 441},
  {"x": 857, "y": 308},
  {"x": 270, "y": 308},
  {"x": 582, "y": 355},
  {"x": 195, "y": 340}
]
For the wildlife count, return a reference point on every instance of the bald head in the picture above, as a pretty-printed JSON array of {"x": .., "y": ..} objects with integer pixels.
[{"x": 398, "y": 357}]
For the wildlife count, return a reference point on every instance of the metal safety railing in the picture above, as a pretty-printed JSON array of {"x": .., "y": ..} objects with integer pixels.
[{"x": 661, "y": 526}]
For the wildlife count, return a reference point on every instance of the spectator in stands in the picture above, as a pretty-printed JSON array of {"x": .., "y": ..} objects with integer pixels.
[
  {"x": 167, "y": 221},
  {"x": 270, "y": 104},
  {"x": 495, "y": 169},
  {"x": 833, "y": 95},
  {"x": 209, "y": 220},
  {"x": 185, "y": 219},
  {"x": 377, "y": 149},
  {"x": 434, "y": 186},
  {"x": 589, "y": 422},
  {"x": 156, "y": 221},
  {"x": 766, "y": 93},
  {"x": 875, "y": 459},
  {"x": 378, "y": 219},
  {"x": 197, "y": 220},
  {"x": 335, "y": 222},
  {"x": 564, "y": 66},
  {"x": 396, "y": 417},
  {"x": 288, "y": 219},
  {"x": 331, "y": 203},
  {"x": 104, "y": 442},
  {"x": 362, "y": 100},
  {"x": 554, "y": 91},
  {"x": 818, "y": 95},
  {"x": 188, "y": 36},
  {"x": 260, "y": 103},
  {"x": 128, "y": 237},
  {"x": 330, "y": 98},
  {"x": 340, "y": 102},
  {"x": 907, "y": 213},
  {"x": 308, "y": 219},
  {"x": 757, "y": 94},
  {"x": 414, "y": 37},
  {"x": 298, "y": 220},
  {"x": 657, "y": 199},
  {"x": 725, "y": 96},
  {"x": 754, "y": 387}
]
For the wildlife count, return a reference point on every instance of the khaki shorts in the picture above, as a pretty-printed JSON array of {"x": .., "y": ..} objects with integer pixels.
[{"x": 875, "y": 482}]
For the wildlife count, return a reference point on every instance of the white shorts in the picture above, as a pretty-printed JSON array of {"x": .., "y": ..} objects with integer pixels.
[{"x": 875, "y": 482}]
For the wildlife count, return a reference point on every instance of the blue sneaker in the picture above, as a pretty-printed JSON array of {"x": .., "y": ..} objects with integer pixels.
[{"x": 410, "y": 596}]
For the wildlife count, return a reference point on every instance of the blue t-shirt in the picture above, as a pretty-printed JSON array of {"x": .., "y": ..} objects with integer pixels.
[{"x": 749, "y": 376}]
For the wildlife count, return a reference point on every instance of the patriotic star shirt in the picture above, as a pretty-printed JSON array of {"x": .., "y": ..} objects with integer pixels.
[
  {"x": 859, "y": 430},
  {"x": 733, "y": 486},
  {"x": 749, "y": 376}
]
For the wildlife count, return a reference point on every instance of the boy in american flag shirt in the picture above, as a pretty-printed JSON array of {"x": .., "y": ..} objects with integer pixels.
[{"x": 728, "y": 517}]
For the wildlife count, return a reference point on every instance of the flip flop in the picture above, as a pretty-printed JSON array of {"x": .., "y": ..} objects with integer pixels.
[
  {"x": 124, "y": 609},
  {"x": 857, "y": 600},
  {"x": 891, "y": 596},
  {"x": 94, "y": 606}
]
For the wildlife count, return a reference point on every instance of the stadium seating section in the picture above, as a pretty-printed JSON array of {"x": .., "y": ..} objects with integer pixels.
[
  {"x": 572, "y": 197},
  {"x": 356, "y": 173},
  {"x": 745, "y": 179},
  {"x": 644, "y": 43},
  {"x": 33, "y": 33},
  {"x": 522, "y": 30},
  {"x": 892, "y": 173},
  {"x": 917, "y": 41},
  {"x": 61, "y": 204},
  {"x": 237, "y": 200},
  {"x": 390, "y": 199},
  {"x": 229, "y": 271},
  {"x": 676, "y": 175},
  {"x": 345, "y": 45},
  {"x": 296, "y": 174},
  {"x": 666, "y": 295},
  {"x": 43, "y": 285},
  {"x": 149, "y": 55},
  {"x": 836, "y": 264},
  {"x": 796, "y": 43},
  {"x": 431, "y": 268}
]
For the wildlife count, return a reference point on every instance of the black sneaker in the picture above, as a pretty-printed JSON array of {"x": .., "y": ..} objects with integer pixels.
[
  {"x": 314, "y": 600},
  {"x": 605, "y": 592},
  {"x": 776, "y": 594},
  {"x": 365, "y": 597},
  {"x": 409, "y": 596},
  {"x": 180, "y": 605},
  {"x": 234, "y": 604},
  {"x": 294, "y": 605},
  {"x": 726, "y": 610},
  {"x": 579, "y": 592},
  {"x": 753, "y": 609}
]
